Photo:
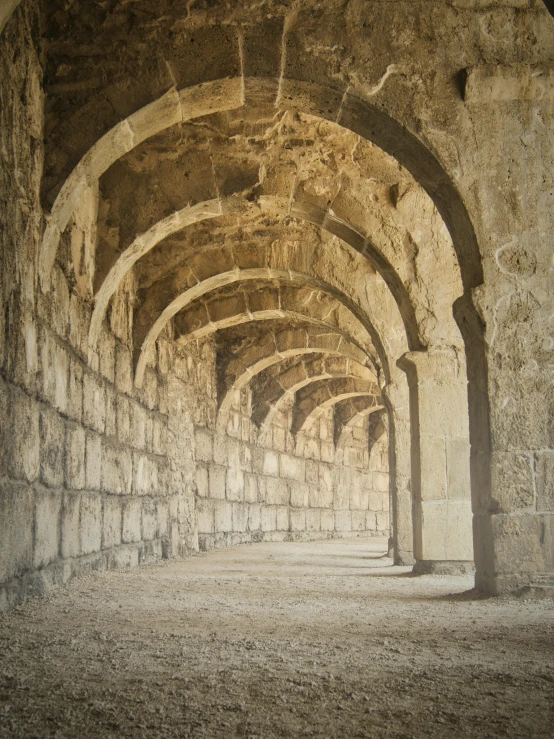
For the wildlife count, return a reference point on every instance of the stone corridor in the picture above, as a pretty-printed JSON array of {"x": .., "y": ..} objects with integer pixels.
[
  {"x": 276, "y": 274},
  {"x": 317, "y": 639}
]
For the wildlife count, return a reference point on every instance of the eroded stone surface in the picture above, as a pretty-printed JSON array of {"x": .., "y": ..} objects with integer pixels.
[{"x": 208, "y": 208}]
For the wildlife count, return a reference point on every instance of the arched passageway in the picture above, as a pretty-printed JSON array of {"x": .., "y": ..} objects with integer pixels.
[{"x": 231, "y": 260}]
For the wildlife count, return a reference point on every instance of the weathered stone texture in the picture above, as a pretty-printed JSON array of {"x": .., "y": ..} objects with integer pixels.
[{"x": 272, "y": 287}]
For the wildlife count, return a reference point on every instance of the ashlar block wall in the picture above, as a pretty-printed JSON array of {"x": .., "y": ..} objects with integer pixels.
[{"x": 96, "y": 473}]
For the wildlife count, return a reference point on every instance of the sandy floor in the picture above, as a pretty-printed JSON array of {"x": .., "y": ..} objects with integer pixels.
[{"x": 319, "y": 639}]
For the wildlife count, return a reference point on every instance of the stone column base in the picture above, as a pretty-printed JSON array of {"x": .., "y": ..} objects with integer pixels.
[
  {"x": 443, "y": 567},
  {"x": 404, "y": 559}
]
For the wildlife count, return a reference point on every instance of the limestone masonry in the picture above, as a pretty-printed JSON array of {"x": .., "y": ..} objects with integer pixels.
[{"x": 275, "y": 271}]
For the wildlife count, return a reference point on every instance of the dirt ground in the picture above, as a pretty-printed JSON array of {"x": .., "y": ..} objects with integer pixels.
[{"x": 320, "y": 639}]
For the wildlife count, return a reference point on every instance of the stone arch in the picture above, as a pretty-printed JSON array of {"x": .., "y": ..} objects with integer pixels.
[
  {"x": 267, "y": 403},
  {"x": 222, "y": 309},
  {"x": 147, "y": 337},
  {"x": 287, "y": 344},
  {"x": 351, "y": 410},
  {"x": 320, "y": 397},
  {"x": 374, "y": 125},
  {"x": 341, "y": 106},
  {"x": 211, "y": 209}
]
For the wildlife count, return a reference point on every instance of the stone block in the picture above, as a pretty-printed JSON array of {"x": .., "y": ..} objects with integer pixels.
[
  {"x": 145, "y": 475},
  {"x": 148, "y": 431},
  {"x": 159, "y": 436},
  {"x": 362, "y": 493},
  {"x": 162, "y": 517},
  {"x": 327, "y": 520},
  {"x": 16, "y": 529},
  {"x": 59, "y": 308},
  {"x": 457, "y": 464},
  {"x": 47, "y": 527},
  {"x": 91, "y": 523},
  {"x": 79, "y": 322},
  {"x": 52, "y": 446},
  {"x": 326, "y": 477},
  {"x": 123, "y": 369},
  {"x": 544, "y": 477},
  {"x": 358, "y": 520},
  {"x": 279, "y": 438},
  {"x": 312, "y": 449},
  {"x": 254, "y": 518},
  {"x": 55, "y": 372},
  {"x": 282, "y": 518},
  {"x": 111, "y": 522},
  {"x": 223, "y": 516},
  {"x": 131, "y": 530},
  {"x": 75, "y": 443},
  {"x": 71, "y": 525},
  {"x": 234, "y": 483},
  {"x": 24, "y": 439},
  {"x": 343, "y": 521},
  {"x": 202, "y": 484},
  {"x": 205, "y": 516},
  {"x": 94, "y": 403},
  {"x": 355, "y": 492},
  {"x": 149, "y": 391},
  {"x": 381, "y": 482},
  {"x": 123, "y": 419},
  {"x": 276, "y": 491},
  {"x": 75, "y": 390},
  {"x": 216, "y": 479},
  {"x": 446, "y": 530},
  {"x": 313, "y": 519},
  {"x": 512, "y": 481},
  {"x": 220, "y": 449},
  {"x": 327, "y": 452},
  {"x": 138, "y": 426},
  {"x": 297, "y": 519},
  {"x": 433, "y": 469},
  {"x": 375, "y": 501},
  {"x": 106, "y": 353},
  {"x": 240, "y": 517},
  {"x": 370, "y": 521},
  {"x": 527, "y": 539},
  {"x": 270, "y": 464},
  {"x": 292, "y": 468},
  {"x": 299, "y": 494},
  {"x": 443, "y": 409},
  {"x": 203, "y": 445},
  {"x": 382, "y": 520},
  {"x": 341, "y": 499},
  {"x": 250, "y": 488},
  {"x": 312, "y": 471},
  {"x": 149, "y": 520},
  {"x": 93, "y": 461},
  {"x": 117, "y": 469},
  {"x": 269, "y": 518},
  {"x": 111, "y": 413}
]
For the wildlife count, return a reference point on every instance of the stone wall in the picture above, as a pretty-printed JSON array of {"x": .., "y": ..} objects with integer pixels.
[
  {"x": 93, "y": 473},
  {"x": 96, "y": 473}
]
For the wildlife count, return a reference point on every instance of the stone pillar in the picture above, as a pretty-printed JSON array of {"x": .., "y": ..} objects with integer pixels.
[
  {"x": 396, "y": 396},
  {"x": 441, "y": 495}
]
